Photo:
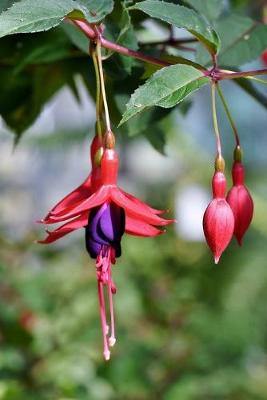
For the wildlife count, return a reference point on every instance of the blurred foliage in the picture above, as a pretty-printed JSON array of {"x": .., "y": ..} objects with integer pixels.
[{"x": 186, "y": 329}]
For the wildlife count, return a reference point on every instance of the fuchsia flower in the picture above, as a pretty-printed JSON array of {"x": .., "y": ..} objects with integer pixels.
[
  {"x": 218, "y": 220},
  {"x": 240, "y": 202},
  {"x": 106, "y": 212}
]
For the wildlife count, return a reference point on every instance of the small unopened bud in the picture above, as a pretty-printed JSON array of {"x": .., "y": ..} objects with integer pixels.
[
  {"x": 219, "y": 164},
  {"x": 238, "y": 154},
  {"x": 98, "y": 157},
  {"x": 218, "y": 220},
  {"x": 240, "y": 202},
  {"x": 95, "y": 146},
  {"x": 264, "y": 57},
  {"x": 109, "y": 140}
]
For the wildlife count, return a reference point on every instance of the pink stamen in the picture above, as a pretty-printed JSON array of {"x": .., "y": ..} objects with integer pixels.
[
  {"x": 112, "y": 338},
  {"x": 102, "y": 308},
  {"x": 104, "y": 275}
]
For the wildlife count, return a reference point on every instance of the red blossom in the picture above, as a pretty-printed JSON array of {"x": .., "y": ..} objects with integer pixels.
[
  {"x": 240, "y": 202},
  {"x": 218, "y": 220},
  {"x": 106, "y": 212},
  {"x": 264, "y": 57}
]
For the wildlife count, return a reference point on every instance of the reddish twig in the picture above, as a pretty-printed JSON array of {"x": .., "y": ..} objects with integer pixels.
[
  {"x": 92, "y": 35},
  {"x": 242, "y": 74}
]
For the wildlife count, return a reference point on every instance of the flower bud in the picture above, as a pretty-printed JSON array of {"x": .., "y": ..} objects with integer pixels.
[
  {"x": 218, "y": 220},
  {"x": 109, "y": 140},
  {"x": 240, "y": 202},
  {"x": 264, "y": 57},
  {"x": 96, "y": 148}
]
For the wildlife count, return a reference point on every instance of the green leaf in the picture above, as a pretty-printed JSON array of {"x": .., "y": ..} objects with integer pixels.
[
  {"x": 41, "y": 48},
  {"x": 242, "y": 40},
  {"x": 127, "y": 38},
  {"x": 6, "y": 4},
  {"x": 156, "y": 136},
  {"x": 94, "y": 10},
  {"x": 181, "y": 17},
  {"x": 165, "y": 88},
  {"x": 24, "y": 94},
  {"x": 212, "y": 9},
  {"x": 119, "y": 29},
  {"x": 28, "y": 16},
  {"x": 149, "y": 69},
  {"x": 76, "y": 37}
]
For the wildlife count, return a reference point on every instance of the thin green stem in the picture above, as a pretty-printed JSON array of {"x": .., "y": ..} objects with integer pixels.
[
  {"x": 263, "y": 81},
  {"x": 215, "y": 120},
  {"x": 229, "y": 116},
  {"x": 102, "y": 83},
  {"x": 98, "y": 94}
]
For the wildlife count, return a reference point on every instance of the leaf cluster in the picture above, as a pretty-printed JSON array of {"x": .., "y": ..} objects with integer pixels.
[{"x": 39, "y": 45}]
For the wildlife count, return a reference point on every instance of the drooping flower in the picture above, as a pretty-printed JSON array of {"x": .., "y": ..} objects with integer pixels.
[
  {"x": 240, "y": 202},
  {"x": 106, "y": 212},
  {"x": 141, "y": 219},
  {"x": 218, "y": 220}
]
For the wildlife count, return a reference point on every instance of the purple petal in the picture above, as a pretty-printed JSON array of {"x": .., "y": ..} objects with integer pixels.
[
  {"x": 92, "y": 229},
  {"x": 106, "y": 225},
  {"x": 93, "y": 247},
  {"x": 112, "y": 223}
]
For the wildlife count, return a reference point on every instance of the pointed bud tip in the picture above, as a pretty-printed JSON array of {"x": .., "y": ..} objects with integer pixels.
[
  {"x": 217, "y": 259},
  {"x": 219, "y": 164},
  {"x": 109, "y": 140},
  {"x": 238, "y": 154}
]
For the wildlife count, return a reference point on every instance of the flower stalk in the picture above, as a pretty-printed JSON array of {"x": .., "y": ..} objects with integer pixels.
[
  {"x": 228, "y": 114},
  {"x": 102, "y": 83},
  {"x": 215, "y": 123},
  {"x": 98, "y": 102}
]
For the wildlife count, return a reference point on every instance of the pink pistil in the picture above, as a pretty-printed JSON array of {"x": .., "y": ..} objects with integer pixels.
[
  {"x": 104, "y": 276},
  {"x": 104, "y": 326}
]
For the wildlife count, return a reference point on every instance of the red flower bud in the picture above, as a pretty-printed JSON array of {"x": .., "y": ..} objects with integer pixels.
[
  {"x": 27, "y": 319},
  {"x": 240, "y": 202},
  {"x": 94, "y": 148},
  {"x": 218, "y": 220},
  {"x": 264, "y": 57}
]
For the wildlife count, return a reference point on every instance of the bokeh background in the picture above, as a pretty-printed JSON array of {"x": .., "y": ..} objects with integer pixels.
[{"x": 186, "y": 329}]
